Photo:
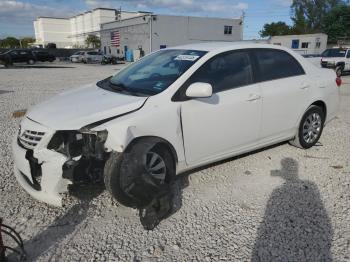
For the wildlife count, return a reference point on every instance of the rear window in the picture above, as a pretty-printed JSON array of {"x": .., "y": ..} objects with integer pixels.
[
  {"x": 334, "y": 52},
  {"x": 276, "y": 64},
  {"x": 92, "y": 53}
]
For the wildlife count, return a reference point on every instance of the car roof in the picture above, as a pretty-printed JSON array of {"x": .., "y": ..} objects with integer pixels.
[{"x": 222, "y": 46}]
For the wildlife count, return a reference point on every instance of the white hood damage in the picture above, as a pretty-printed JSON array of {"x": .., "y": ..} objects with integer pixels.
[{"x": 77, "y": 108}]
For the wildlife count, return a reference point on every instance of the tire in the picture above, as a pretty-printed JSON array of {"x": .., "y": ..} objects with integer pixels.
[
  {"x": 339, "y": 71},
  {"x": 313, "y": 118},
  {"x": 124, "y": 170},
  {"x": 30, "y": 62}
]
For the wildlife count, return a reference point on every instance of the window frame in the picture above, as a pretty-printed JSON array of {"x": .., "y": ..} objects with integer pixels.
[
  {"x": 258, "y": 72},
  {"x": 180, "y": 94},
  {"x": 306, "y": 44},
  {"x": 228, "y": 29},
  {"x": 347, "y": 54}
]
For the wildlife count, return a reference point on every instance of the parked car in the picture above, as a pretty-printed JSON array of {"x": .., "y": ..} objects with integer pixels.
[
  {"x": 77, "y": 57},
  {"x": 17, "y": 56},
  {"x": 43, "y": 56},
  {"x": 172, "y": 111},
  {"x": 336, "y": 58},
  {"x": 92, "y": 57}
]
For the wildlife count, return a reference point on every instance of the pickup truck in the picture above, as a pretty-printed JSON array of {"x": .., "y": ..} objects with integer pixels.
[
  {"x": 337, "y": 58},
  {"x": 17, "y": 56}
]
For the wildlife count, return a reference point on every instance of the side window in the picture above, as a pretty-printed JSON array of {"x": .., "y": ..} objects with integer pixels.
[
  {"x": 23, "y": 53},
  {"x": 276, "y": 64},
  {"x": 348, "y": 54},
  {"x": 225, "y": 71}
]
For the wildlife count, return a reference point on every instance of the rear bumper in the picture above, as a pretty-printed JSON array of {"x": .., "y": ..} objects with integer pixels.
[{"x": 52, "y": 185}]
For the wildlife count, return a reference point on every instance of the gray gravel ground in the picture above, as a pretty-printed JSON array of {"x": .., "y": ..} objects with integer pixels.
[{"x": 278, "y": 204}]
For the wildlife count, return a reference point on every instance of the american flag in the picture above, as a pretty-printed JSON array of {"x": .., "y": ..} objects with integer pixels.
[{"x": 115, "y": 38}]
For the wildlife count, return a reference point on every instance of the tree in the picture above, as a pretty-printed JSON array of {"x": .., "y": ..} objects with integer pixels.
[
  {"x": 337, "y": 23},
  {"x": 279, "y": 28},
  {"x": 9, "y": 42},
  {"x": 93, "y": 40},
  {"x": 309, "y": 16},
  {"x": 25, "y": 41}
]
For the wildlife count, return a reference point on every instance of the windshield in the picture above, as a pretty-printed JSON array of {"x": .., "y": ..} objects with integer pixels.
[
  {"x": 335, "y": 52},
  {"x": 156, "y": 72}
]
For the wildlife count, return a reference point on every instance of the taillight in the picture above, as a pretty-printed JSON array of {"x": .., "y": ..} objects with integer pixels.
[{"x": 338, "y": 81}]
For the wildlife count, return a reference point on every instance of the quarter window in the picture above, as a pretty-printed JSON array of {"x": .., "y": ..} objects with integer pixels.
[
  {"x": 275, "y": 64},
  {"x": 225, "y": 71}
]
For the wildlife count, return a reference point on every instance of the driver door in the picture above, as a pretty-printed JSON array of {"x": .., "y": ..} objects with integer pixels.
[{"x": 229, "y": 121}]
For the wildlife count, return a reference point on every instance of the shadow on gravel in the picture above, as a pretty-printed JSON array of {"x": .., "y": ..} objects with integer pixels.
[
  {"x": 64, "y": 225},
  {"x": 296, "y": 226}
]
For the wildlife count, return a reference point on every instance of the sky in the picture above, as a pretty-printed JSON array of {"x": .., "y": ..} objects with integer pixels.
[{"x": 17, "y": 16}]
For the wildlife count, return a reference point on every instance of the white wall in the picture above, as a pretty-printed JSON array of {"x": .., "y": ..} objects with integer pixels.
[
  {"x": 286, "y": 41},
  {"x": 71, "y": 31},
  {"x": 179, "y": 30},
  {"x": 169, "y": 30},
  {"x": 52, "y": 30}
]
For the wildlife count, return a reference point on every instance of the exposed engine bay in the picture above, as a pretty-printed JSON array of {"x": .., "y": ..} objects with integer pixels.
[{"x": 85, "y": 152}]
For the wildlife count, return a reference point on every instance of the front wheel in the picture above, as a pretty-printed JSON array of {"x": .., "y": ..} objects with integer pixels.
[
  {"x": 339, "y": 71},
  {"x": 135, "y": 177},
  {"x": 310, "y": 128},
  {"x": 30, "y": 62}
]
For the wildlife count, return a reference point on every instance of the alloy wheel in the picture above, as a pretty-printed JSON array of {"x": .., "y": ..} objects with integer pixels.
[
  {"x": 312, "y": 128},
  {"x": 155, "y": 166}
]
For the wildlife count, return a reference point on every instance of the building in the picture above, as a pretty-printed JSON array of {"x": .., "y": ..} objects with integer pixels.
[
  {"x": 309, "y": 44},
  {"x": 72, "y": 32},
  {"x": 150, "y": 32}
]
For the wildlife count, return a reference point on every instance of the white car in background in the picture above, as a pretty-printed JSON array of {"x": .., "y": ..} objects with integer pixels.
[
  {"x": 172, "y": 111},
  {"x": 92, "y": 57},
  {"x": 77, "y": 57},
  {"x": 336, "y": 58}
]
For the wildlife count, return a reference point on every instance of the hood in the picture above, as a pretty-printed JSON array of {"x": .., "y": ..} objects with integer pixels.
[{"x": 77, "y": 108}]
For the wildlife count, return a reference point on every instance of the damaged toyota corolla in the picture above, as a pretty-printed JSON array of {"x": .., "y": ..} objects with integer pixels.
[{"x": 169, "y": 112}]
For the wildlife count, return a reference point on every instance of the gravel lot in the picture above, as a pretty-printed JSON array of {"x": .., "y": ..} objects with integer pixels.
[{"x": 278, "y": 204}]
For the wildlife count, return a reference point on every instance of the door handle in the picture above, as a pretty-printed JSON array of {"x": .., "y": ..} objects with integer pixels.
[{"x": 253, "y": 97}]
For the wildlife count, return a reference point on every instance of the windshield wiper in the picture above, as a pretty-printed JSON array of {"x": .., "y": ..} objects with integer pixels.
[{"x": 122, "y": 88}]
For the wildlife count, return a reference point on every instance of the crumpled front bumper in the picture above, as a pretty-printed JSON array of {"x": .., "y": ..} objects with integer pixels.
[{"x": 52, "y": 185}]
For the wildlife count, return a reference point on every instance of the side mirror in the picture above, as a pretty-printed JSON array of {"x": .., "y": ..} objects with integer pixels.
[{"x": 197, "y": 90}]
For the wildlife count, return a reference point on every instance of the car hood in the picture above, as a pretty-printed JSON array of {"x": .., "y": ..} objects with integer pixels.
[{"x": 77, "y": 108}]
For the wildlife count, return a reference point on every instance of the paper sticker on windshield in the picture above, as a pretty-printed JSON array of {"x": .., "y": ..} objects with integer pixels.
[{"x": 187, "y": 57}]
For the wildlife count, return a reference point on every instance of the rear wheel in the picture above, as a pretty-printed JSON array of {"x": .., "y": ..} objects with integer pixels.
[
  {"x": 310, "y": 128},
  {"x": 144, "y": 161}
]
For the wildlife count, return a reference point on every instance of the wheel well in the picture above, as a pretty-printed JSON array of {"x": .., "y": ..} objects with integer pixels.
[
  {"x": 157, "y": 142},
  {"x": 322, "y": 105},
  {"x": 341, "y": 64}
]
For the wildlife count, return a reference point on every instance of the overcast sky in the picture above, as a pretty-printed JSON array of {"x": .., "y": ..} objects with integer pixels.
[{"x": 16, "y": 16}]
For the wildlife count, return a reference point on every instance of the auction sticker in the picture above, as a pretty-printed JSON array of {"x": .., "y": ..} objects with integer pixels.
[{"x": 187, "y": 57}]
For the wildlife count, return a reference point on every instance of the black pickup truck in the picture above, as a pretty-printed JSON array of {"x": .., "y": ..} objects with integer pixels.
[
  {"x": 43, "y": 56},
  {"x": 17, "y": 56}
]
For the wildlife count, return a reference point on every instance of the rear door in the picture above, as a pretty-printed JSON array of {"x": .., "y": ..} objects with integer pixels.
[
  {"x": 285, "y": 92},
  {"x": 227, "y": 121}
]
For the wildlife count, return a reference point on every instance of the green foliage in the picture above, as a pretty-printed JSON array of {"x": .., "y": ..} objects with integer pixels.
[
  {"x": 309, "y": 16},
  {"x": 318, "y": 16},
  {"x": 337, "y": 23},
  {"x": 93, "y": 41},
  {"x": 9, "y": 42},
  {"x": 279, "y": 28},
  {"x": 25, "y": 41}
]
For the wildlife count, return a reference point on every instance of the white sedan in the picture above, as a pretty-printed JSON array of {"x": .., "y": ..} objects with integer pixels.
[{"x": 172, "y": 111}]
